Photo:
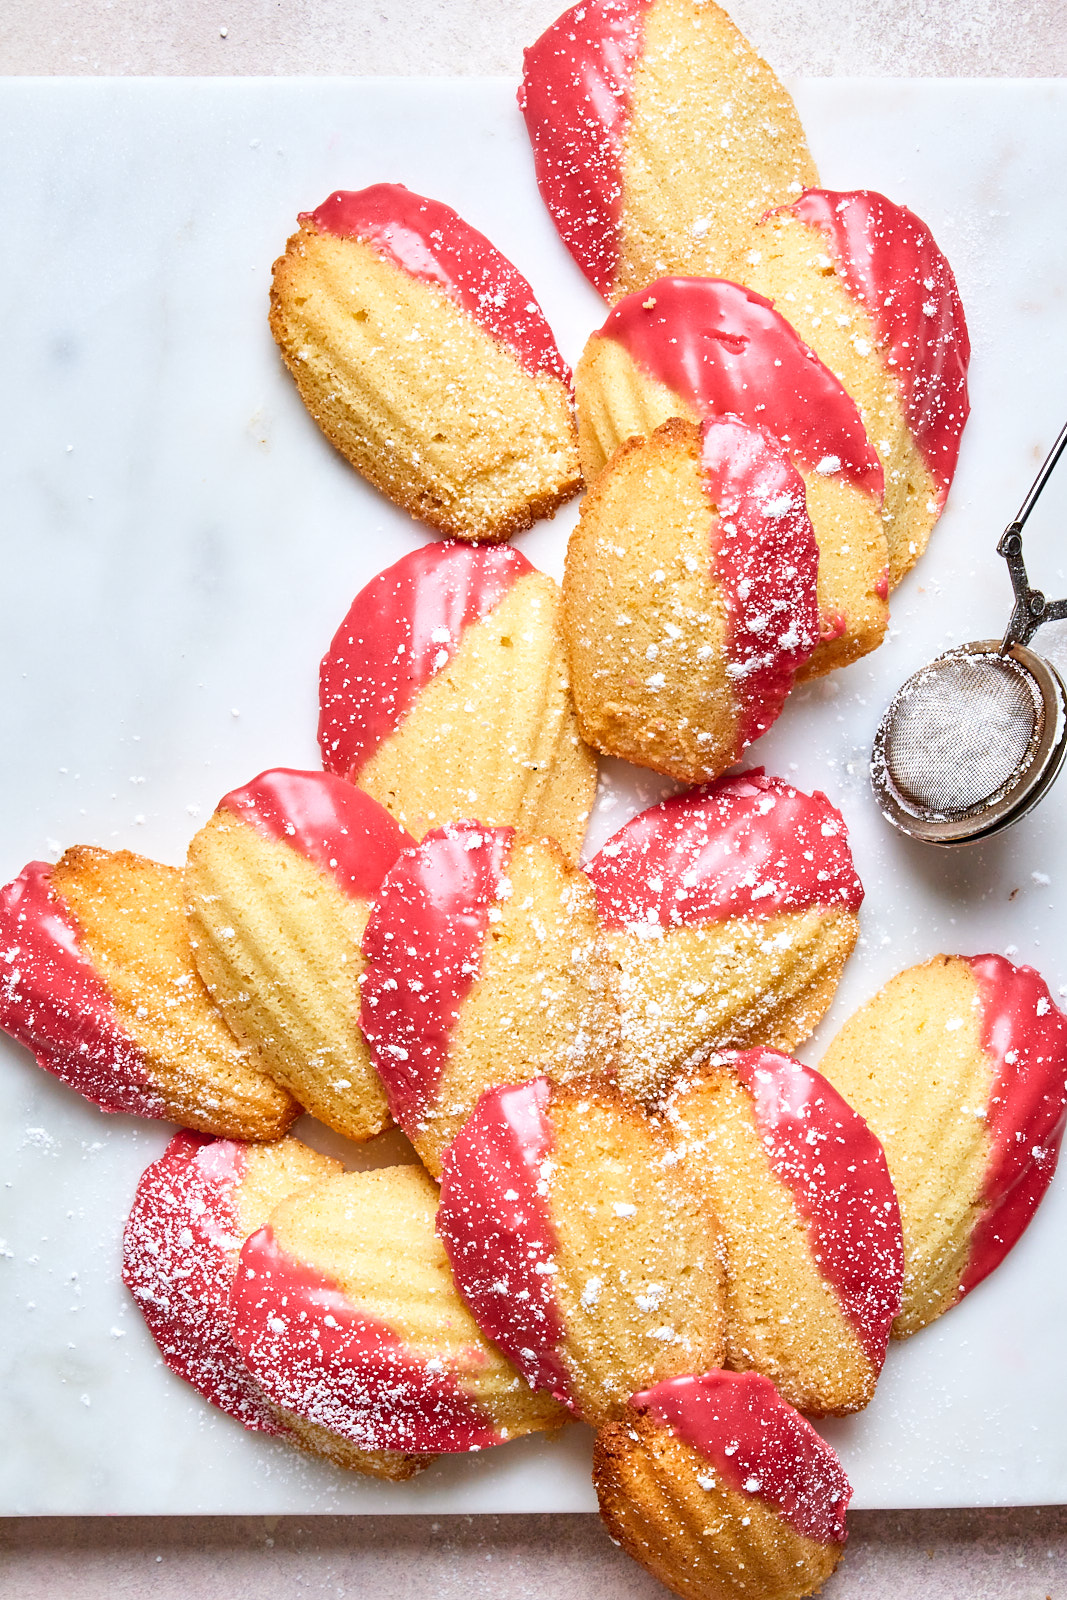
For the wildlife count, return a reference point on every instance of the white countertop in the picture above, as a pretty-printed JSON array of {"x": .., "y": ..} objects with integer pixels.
[{"x": 1009, "y": 1554}]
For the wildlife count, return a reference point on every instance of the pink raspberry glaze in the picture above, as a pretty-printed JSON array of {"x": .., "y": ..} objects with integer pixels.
[
  {"x": 495, "y": 1224},
  {"x": 350, "y": 837},
  {"x": 179, "y": 1256},
  {"x": 1025, "y": 1034},
  {"x": 722, "y": 348},
  {"x": 401, "y": 630},
  {"x": 744, "y": 846},
  {"x": 891, "y": 264},
  {"x": 836, "y": 1171},
  {"x": 320, "y": 1356},
  {"x": 53, "y": 1001},
  {"x": 423, "y": 949},
  {"x": 758, "y": 1444},
  {"x": 432, "y": 243},
  {"x": 575, "y": 96},
  {"x": 766, "y": 560}
]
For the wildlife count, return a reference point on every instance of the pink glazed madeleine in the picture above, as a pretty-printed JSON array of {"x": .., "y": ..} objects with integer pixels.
[
  {"x": 97, "y": 979},
  {"x": 193, "y": 1208},
  {"x": 345, "y": 1311},
  {"x": 484, "y": 965},
  {"x": 690, "y": 597},
  {"x": 279, "y": 885},
  {"x": 659, "y": 138},
  {"x": 720, "y": 1490},
  {"x": 960, "y": 1068},
  {"x": 865, "y": 284},
  {"x": 699, "y": 348},
  {"x": 424, "y": 357},
  {"x": 580, "y": 1245},
  {"x": 808, "y": 1218},
  {"x": 444, "y": 694},
  {"x": 729, "y": 913}
]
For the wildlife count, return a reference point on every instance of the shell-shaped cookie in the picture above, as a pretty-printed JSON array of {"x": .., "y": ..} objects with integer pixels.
[
  {"x": 192, "y": 1210},
  {"x": 424, "y": 357},
  {"x": 660, "y": 138},
  {"x": 722, "y": 1491},
  {"x": 279, "y": 884},
  {"x": 809, "y": 1219},
  {"x": 699, "y": 348},
  {"x": 865, "y": 284},
  {"x": 729, "y": 913},
  {"x": 444, "y": 694},
  {"x": 960, "y": 1068},
  {"x": 97, "y": 979},
  {"x": 484, "y": 965},
  {"x": 689, "y": 600},
  {"x": 346, "y": 1312},
  {"x": 578, "y": 1247}
]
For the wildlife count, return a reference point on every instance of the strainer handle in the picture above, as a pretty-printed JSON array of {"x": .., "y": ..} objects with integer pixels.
[{"x": 1031, "y": 607}]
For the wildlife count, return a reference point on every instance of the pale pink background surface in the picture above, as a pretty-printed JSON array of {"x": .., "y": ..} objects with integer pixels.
[{"x": 964, "y": 1555}]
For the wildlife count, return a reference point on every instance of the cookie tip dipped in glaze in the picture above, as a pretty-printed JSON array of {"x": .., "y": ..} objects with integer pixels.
[
  {"x": 345, "y": 1311},
  {"x": 722, "y": 1491},
  {"x": 179, "y": 1252},
  {"x": 809, "y": 1221},
  {"x": 690, "y": 596},
  {"x": 729, "y": 913},
  {"x": 703, "y": 347},
  {"x": 659, "y": 137},
  {"x": 865, "y": 284},
  {"x": 279, "y": 886},
  {"x": 959, "y": 1065},
  {"x": 577, "y": 1244},
  {"x": 484, "y": 965},
  {"x": 97, "y": 979},
  {"x": 192, "y": 1209},
  {"x": 423, "y": 355},
  {"x": 444, "y": 694}
]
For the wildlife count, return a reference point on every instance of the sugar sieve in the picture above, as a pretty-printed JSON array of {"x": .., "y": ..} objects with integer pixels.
[{"x": 973, "y": 741}]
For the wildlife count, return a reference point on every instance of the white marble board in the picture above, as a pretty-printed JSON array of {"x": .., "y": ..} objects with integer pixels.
[{"x": 178, "y": 545}]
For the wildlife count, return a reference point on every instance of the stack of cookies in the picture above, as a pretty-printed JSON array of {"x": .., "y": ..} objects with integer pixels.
[{"x": 625, "y": 1200}]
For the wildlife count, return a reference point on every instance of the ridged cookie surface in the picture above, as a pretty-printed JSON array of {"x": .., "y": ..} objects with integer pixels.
[
  {"x": 193, "y": 1208},
  {"x": 660, "y": 138},
  {"x": 444, "y": 694},
  {"x": 729, "y": 913},
  {"x": 576, "y": 1245},
  {"x": 484, "y": 966},
  {"x": 99, "y": 982},
  {"x": 701, "y": 348},
  {"x": 809, "y": 1220},
  {"x": 279, "y": 884},
  {"x": 422, "y": 354},
  {"x": 346, "y": 1312},
  {"x": 864, "y": 283},
  {"x": 960, "y": 1068},
  {"x": 721, "y": 1491}
]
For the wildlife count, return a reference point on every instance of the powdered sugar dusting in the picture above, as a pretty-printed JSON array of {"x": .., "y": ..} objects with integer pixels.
[
  {"x": 767, "y": 561},
  {"x": 1025, "y": 1035},
  {"x": 179, "y": 1255},
  {"x": 747, "y": 845},
  {"x": 340, "y": 1366},
  {"x": 434, "y": 244},
  {"x": 400, "y": 631},
  {"x": 759, "y": 1444},
  {"x": 423, "y": 948},
  {"x": 53, "y": 1001},
  {"x": 495, "y": 1224},
  {"x": 575, "y": 96}
]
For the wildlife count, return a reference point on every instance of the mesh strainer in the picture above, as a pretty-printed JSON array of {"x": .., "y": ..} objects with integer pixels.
[{"x": 971, "y": 743}]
